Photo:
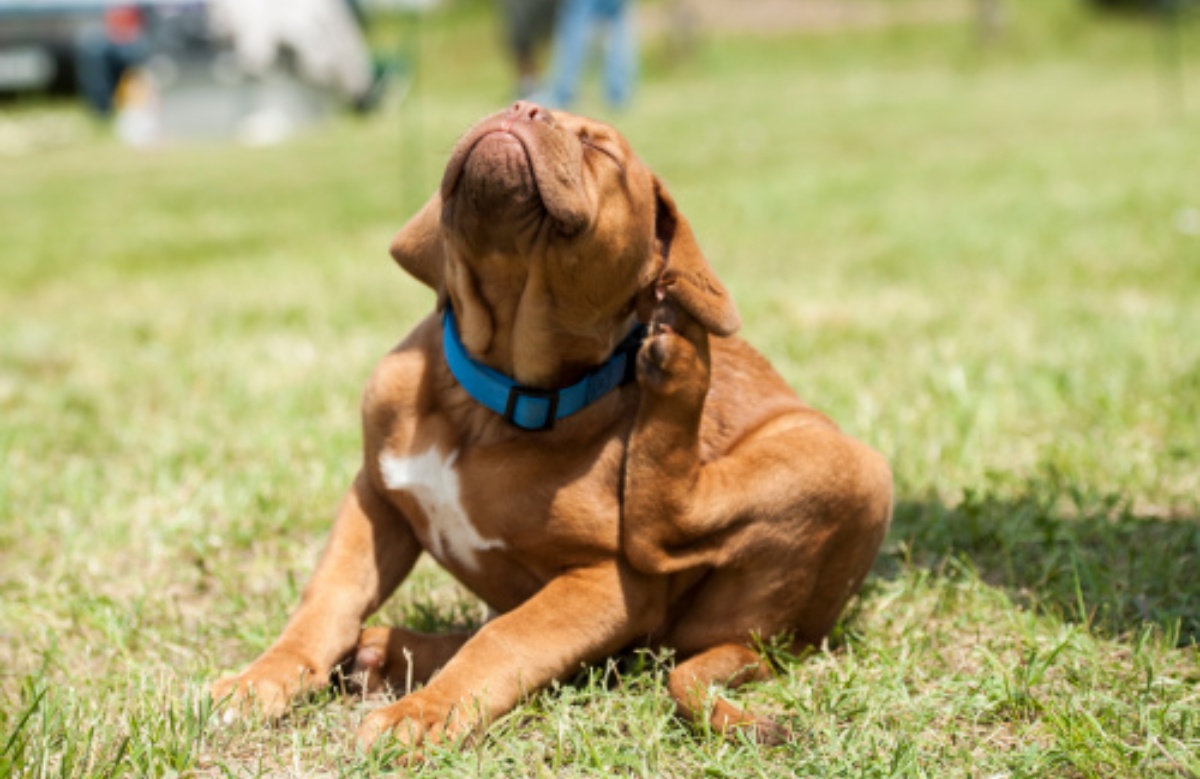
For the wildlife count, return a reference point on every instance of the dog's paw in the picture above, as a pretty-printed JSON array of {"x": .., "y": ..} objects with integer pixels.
[
  {"x": 398, "y": 658},
  {"x": 266, "y": 688},
  {"x": 673, "y": 359},
  {"x": 416, "y": 720},
  {"x": 368, "y": 670},
  {"x": 770, "y": 733},
  {"x": 730, "y": 720}
]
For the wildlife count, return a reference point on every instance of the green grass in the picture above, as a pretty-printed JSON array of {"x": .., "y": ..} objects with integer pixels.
[{"x": 980, "y": 261}]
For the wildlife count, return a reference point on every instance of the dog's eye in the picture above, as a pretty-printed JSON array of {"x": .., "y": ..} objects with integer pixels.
[{"x": 590, "y": 145}]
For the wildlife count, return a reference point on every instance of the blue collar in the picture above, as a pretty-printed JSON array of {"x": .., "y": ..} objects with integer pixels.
[{"x": 530, "y": 408}]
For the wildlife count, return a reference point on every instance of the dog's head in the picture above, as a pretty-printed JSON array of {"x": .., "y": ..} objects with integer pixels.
[{"x": 548, "y": 236}]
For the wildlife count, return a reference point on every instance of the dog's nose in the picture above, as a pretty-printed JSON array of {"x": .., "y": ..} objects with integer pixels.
[{"x": 530, "y": 112}]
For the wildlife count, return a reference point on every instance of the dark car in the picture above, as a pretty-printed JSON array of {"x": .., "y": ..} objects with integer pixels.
[
  {"x": 37, "y": 43},
  {"x": 40, "y": 39}
]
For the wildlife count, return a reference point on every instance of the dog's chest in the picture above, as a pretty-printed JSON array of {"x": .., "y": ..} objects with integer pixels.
[{"x": 432, "y": 480}]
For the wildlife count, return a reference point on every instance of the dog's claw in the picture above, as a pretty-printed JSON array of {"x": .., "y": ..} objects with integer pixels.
[{"x": 664, "y": 316}]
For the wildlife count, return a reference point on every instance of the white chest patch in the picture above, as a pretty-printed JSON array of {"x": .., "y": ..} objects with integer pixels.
[{"x": 432, "y": 481}]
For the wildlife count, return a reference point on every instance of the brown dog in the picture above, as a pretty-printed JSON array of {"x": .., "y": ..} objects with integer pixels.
[{"x": 696, "y": 508}]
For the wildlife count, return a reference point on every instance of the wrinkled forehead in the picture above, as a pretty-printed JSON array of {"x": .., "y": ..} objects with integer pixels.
[
  {"x": 634, "y": 172},
  {"x": 592, "y": 129},
  {"x": 575, "y": 122}
]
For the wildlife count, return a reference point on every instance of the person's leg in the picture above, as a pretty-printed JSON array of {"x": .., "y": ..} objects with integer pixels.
[
  {"x": 570, "y": 50},
  {"x": 94, "y": 70},
  {"x": 517, "y": 35},
  {"x": 620, "y": 56}
]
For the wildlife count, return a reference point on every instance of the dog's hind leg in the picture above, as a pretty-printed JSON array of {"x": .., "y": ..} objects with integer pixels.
[
  {"x": 401, "y": 658},
  {"x": 794, "y": 488},
  {"x": 730, "y": 665}
]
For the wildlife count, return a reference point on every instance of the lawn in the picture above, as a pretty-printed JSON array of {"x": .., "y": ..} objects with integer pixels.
[{"x": 983, "y": 261}]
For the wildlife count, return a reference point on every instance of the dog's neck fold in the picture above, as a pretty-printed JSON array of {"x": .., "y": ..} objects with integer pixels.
[{"x": 515, "y": 325}]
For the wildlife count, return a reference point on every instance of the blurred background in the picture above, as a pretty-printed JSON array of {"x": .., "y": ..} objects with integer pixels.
[
  {"x": 166, "y": 72},
  {"x": 969, "y": 230},
  {"x": 255, "y": 72}
]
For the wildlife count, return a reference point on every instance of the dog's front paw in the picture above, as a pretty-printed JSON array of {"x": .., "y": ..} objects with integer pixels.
[
  {"x": 674, "y": 358},
  {"x": 267, "y": 687},
  {"x": 416, "y": 720}
]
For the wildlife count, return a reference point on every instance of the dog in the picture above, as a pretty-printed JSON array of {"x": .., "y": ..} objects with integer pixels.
[{"x": 578, "y": 437}]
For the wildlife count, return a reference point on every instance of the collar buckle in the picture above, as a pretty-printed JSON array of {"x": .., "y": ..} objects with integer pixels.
[{"x": 548, "y": 397}]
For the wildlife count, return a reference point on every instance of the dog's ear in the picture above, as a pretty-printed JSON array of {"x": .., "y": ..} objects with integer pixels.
[
  {"x": 687, "y": 276},
  {"x": 418, "y": 246}
]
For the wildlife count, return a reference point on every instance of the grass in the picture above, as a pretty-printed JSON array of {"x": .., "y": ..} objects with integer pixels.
[{"x": 984, "y": 262}]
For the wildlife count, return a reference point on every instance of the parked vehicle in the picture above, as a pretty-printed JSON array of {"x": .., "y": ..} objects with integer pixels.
[{"x": 40, "y": 40}]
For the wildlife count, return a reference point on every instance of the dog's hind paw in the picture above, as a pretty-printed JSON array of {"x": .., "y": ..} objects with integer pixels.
[
  {"x": 367, "y": 669},
  {"x": 674, "y": 358}
]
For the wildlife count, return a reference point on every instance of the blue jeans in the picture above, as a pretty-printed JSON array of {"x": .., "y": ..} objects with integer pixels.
[{"x": 577, "y": 19}]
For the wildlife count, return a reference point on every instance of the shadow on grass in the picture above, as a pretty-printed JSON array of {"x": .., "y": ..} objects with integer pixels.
[{"x": 1084, "y": 559}]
